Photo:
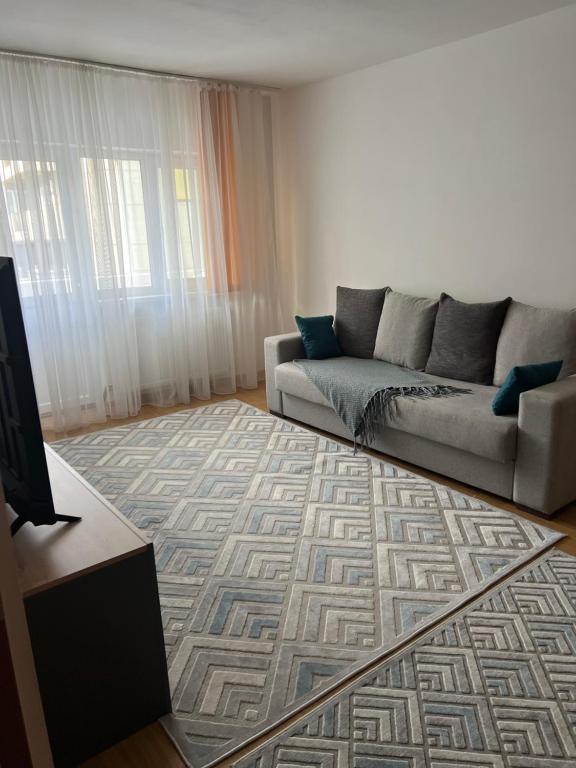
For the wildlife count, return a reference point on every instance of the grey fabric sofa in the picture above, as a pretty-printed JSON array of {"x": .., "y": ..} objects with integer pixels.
[{"x": 529, "y": 458}]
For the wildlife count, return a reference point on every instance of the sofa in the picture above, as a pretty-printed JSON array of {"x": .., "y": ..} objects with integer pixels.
[{"x": 528, "y": 457}]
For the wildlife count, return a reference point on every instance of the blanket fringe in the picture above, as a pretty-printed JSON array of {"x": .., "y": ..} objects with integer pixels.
[{"x": 383, "y": 404}]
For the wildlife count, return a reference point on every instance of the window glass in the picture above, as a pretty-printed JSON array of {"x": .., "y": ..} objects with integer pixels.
[
  {"x": 34, "y": 213},
  {"x": 117, "y": 222},
  {"x": 32, "y": 200},
  {"x": 186, "y": 192}
]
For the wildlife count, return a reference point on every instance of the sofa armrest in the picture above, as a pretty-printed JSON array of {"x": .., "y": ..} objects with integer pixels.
[
  {"x": 545, "y": 474},
  {"x": 279, "y": 349}
]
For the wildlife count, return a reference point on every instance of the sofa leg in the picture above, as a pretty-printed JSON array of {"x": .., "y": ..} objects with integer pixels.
[
  {"x": 535, "y": 512},
  {"x": 277, "y": 413}
]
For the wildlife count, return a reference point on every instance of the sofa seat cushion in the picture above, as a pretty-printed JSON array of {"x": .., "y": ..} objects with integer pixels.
[{"x": 464, "y": 421}]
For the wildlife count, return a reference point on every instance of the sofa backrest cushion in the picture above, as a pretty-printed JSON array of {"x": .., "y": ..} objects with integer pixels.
[
  {"x": 405, "y": 332},
  {"x": 465, "y": 339},
  {"x": 534, "y": 335},
  {"x": 357, "y": 316}
]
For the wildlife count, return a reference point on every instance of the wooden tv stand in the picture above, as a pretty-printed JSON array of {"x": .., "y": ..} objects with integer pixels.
[{"x": 91, "y": 600}]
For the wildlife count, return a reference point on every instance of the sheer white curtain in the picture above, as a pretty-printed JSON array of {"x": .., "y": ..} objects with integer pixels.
[{"x": 112, "y": 206}]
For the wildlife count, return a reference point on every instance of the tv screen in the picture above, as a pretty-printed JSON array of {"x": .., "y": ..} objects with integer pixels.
[{"x": 22, "y": 459}]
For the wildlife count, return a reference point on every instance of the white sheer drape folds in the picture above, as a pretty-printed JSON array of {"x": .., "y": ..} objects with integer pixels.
[{"x": 138, "y": 283}]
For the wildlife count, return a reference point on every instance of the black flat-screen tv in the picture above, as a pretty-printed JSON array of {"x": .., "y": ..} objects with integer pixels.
[{"x": 23, "y": 465}]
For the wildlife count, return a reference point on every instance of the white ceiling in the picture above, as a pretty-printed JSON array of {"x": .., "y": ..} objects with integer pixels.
[{"x": 270, "y": 42}]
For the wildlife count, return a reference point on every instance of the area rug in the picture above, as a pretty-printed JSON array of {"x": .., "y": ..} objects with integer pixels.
[
  {"x": 285, "y": 562},
  {"x": 493, "y": 687}
]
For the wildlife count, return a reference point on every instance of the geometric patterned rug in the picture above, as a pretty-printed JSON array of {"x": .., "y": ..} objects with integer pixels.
[
  {"x": 285, "y": 563},
  {"x": 493, "y": 687}
]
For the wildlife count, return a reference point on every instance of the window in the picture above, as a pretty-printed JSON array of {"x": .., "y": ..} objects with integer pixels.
[{"x": 141, "y": 222}]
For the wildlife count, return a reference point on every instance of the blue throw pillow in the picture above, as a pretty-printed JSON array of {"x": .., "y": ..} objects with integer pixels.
[
  {"x": 521, "y": 379},
  {"x": 318, "y": 337}
]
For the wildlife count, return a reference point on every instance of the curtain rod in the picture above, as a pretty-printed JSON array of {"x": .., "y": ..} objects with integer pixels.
[{"x": 135, "y": 70}]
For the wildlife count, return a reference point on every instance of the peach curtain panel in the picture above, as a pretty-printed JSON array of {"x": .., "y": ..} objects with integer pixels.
[
  {"x": 237, "y": 140},
  {"x": 219, "y": 112}
]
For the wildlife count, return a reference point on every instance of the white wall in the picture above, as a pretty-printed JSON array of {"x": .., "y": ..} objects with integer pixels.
[{"x": 454, "y": 169}]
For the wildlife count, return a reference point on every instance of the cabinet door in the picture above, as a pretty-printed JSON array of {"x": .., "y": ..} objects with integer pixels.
[{"x": 23, "y": 740}]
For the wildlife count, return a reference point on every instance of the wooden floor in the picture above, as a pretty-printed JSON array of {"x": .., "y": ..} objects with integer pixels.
[{"x": 151, "y": 747}]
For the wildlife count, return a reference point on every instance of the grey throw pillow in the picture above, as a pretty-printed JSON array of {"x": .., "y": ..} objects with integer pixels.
[
  {"x": 531, "y": 335},
  {"x": 358, "y": 313},
  {"x": 405, "y": 331},
  {"x": 465, "y": 339}
]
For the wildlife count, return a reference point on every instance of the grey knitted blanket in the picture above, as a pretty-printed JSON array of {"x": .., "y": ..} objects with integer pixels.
[{"x": 363, "y": 392}]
